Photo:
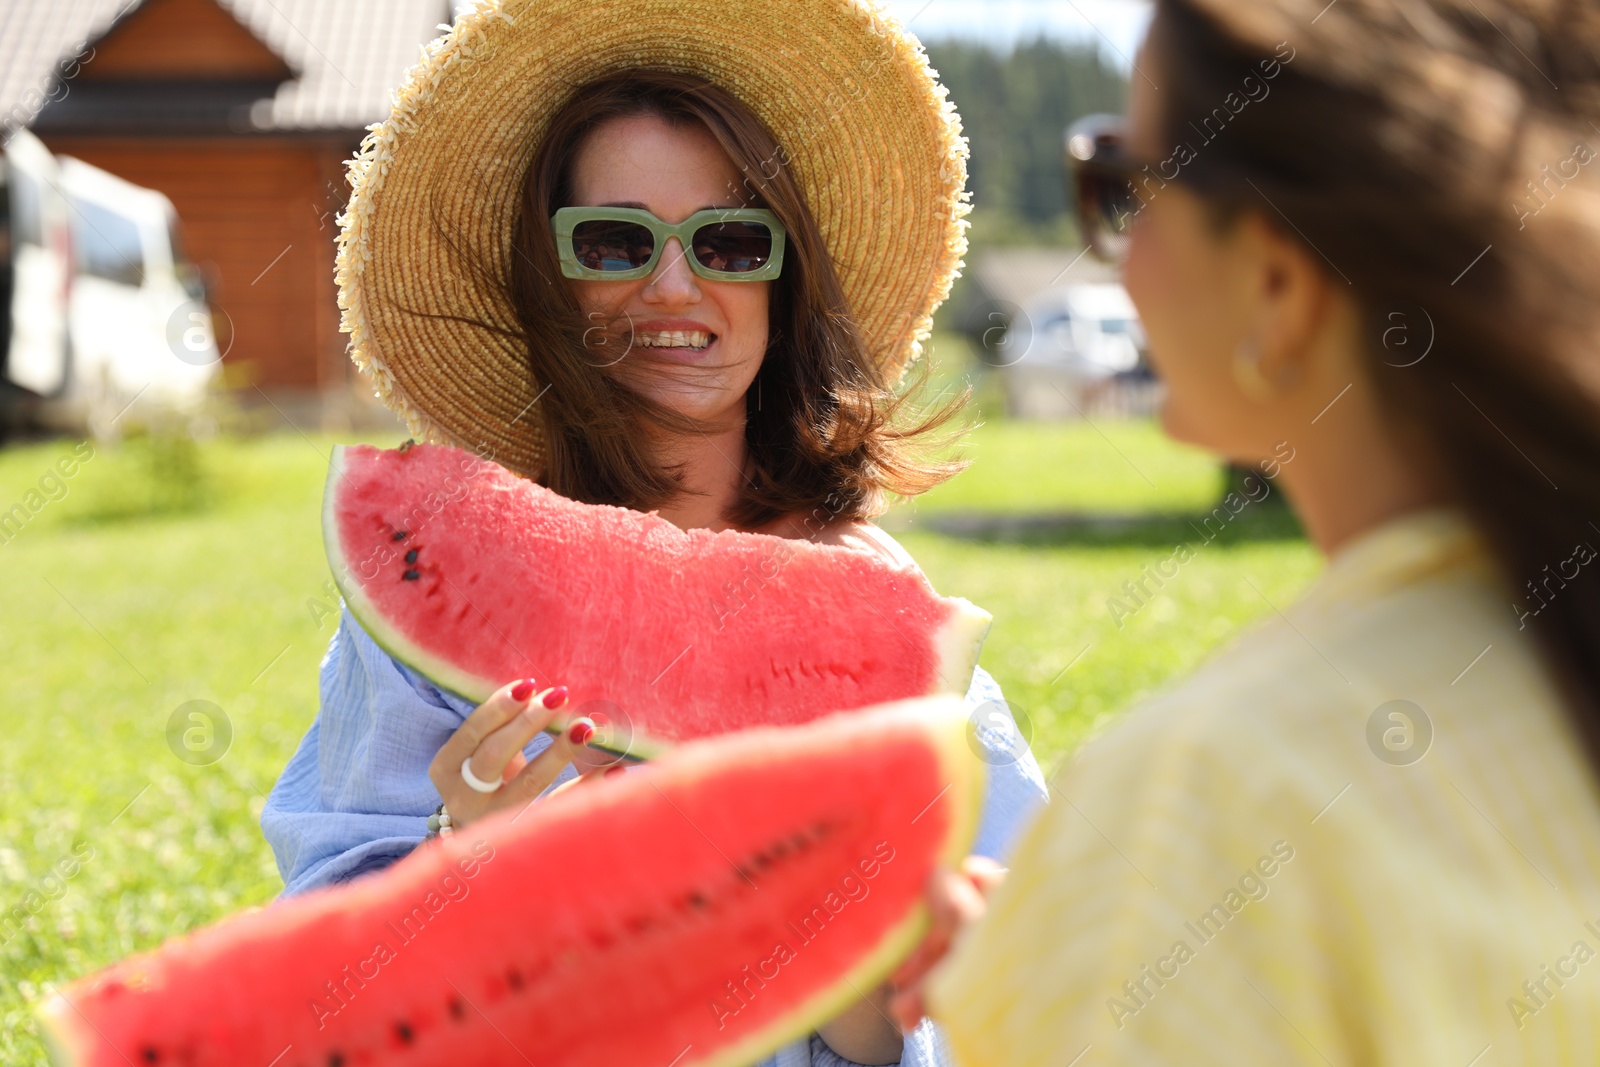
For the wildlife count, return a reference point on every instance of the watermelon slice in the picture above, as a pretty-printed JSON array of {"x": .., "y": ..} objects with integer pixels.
[
  {"x": 477, "y": 577},
  {"x": 703, "y": 909}
]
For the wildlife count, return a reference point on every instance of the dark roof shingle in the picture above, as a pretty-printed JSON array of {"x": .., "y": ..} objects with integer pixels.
[{"x": 351, "y": 54}]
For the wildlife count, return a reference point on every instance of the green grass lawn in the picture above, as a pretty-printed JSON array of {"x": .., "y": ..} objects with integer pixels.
[
  {"x": 171, "y": 575},
  {"x": 1116, "y": 466}
]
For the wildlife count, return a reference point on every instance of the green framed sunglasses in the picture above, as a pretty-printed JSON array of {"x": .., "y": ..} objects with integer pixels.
[{"x": 619, "y": 244}]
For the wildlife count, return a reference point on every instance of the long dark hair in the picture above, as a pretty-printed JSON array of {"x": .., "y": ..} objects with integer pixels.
[
  {"x": 1412, "y": 148},
  {"x": 822, "y": 426}
]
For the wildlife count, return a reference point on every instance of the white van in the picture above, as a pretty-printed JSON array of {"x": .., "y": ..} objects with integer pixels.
[
  {"x": 137, "y": 318},
  {"x": 35, "y": 276},
  {"x": 1072, "y": 345},
  {"x": 1090, "y": 331}
]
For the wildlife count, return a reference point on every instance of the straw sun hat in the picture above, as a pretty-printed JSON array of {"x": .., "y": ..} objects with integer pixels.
[{"x": 874, "y": 146}]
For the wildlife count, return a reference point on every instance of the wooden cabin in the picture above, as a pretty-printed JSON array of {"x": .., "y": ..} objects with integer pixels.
[{"x": 243, "y": 112}]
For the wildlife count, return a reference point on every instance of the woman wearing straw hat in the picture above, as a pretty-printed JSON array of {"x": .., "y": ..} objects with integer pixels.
[
  {"x": 670, "y": 257},
  {"x": 1369, "y": 832}
]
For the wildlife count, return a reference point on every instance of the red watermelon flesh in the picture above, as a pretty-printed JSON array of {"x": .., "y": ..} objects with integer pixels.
[
  {"x": 703, "y": 909},
  {"x": 477, "y": 577}
]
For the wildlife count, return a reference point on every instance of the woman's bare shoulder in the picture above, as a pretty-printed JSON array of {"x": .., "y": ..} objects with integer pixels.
[
  {"x": 865, "y": 537},
  {"x": 856, "y": 534}
]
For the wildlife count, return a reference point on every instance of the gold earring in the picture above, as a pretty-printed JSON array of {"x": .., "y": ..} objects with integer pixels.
[{"x": 1248, "y": 375}]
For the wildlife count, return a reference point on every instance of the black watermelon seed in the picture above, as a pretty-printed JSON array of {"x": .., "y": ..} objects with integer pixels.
[
  {"x": 696, "y": 900},
  {"x": 403, "y": 1032},
  {"x": 335, "y": 1059},
  {"x": 399, "y": 535},
  {"x": 411, "y": 576},
  {"x": 150, "y": 1055},
  {"x": 514, "y": 979},
  {"x": 458, "y": 1011},
  {"x": 411, "y": 557}
]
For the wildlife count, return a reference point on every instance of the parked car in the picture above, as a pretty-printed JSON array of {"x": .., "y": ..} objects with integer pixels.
[
  {"x": 105, "y": 313},
  {"x": 1071, "y": 345},
  {"x": 35, "y": 277},
  {"x": 137, "y": 315}
]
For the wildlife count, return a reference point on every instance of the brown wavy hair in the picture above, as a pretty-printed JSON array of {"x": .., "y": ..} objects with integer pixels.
[
  {"x": 826, "y": 434},
  {"x": 1413, "y": 144}
]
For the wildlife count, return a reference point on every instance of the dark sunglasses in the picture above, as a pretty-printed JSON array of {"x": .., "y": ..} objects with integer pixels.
[
  {"x": 1102, "y": 177},
  {"x": 618, "y": 244}
]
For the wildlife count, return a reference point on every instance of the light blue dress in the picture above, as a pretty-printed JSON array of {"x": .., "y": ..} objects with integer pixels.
[{"x": 355, "y": 795}]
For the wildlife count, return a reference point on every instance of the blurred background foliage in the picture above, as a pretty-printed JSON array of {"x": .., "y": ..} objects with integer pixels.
[{"x": 1014, "y": 108}]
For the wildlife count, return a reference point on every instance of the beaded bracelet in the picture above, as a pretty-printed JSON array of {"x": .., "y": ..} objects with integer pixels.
[{"x": 439, "y": 824}]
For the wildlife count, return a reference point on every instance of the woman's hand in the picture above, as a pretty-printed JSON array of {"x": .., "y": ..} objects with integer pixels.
[
  {"x": 493, "y": 737},
  {"x": 956, "y": 900}
]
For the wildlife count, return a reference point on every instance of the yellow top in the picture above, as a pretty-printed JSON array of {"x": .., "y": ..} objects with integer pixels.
[{"x": 1275, "y": 863}]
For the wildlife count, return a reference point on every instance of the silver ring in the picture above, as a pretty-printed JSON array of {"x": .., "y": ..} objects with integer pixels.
[{"x": 478, "y": 784}]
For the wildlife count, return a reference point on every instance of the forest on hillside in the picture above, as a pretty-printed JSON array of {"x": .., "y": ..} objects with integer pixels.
[{"x": 1015, "y": 107}]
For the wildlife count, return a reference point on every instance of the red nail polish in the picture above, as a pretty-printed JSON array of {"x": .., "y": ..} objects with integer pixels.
[
  {"x": 522, "y": 690},
  {"x": 556, "y": 697},
  {"x": 580, "y": 731},
  {"x": 613, "y": 770}
]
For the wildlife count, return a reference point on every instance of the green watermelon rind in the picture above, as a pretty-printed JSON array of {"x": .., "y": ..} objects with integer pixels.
[
  {"x": 957, "y": 644},
  {"x": 55, "y": 1029}
]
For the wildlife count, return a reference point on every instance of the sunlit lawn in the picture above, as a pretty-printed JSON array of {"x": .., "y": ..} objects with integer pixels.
[{"x": 163, "y": 577}]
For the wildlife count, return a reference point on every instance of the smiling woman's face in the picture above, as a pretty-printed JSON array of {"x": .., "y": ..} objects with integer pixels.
[{"x": 671, "y": 171}]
